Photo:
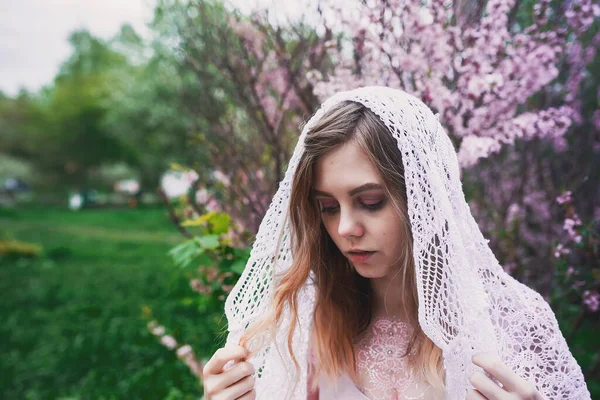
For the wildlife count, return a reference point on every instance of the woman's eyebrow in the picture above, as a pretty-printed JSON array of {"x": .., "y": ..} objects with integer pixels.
[{"x": 359, "y": 189}]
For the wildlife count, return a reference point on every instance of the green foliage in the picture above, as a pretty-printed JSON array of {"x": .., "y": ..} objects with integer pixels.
[
  {"x": 12, "y": 167},
  {"x": 61, "y": 131},
  {"x": 219, "y": 264},
  {"x": 146, "y": 115},
  {"x": 110, "y": 103},
  {"x": 576, "y": 273},
  {"x": 186, "y": 253},
  {"x": 74, "y": 323},
  {"x": 213, "y": 265},
  {"x": 75, "y": 307}
]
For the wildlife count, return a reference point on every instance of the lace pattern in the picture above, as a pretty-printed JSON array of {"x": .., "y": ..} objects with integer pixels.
[
  {"x": 382, "y": 362},
  {"x": 467, "y": 303}
]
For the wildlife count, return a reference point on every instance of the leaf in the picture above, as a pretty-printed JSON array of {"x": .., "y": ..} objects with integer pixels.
[
  {"x": 193, "y": 222},
  {"x": 201, "y": 220},
  {"x": 224, "y": 264},
  {"x": 220, "y": 223},
  {"x": 208, "y": 242},
  {"x": 183, "y": 255},
  {"x": 238, "y": 266},
  {"x": 242, "y": 253},
  {"x": 204, "y": 260},
  {"x": 187, "y": 301}
]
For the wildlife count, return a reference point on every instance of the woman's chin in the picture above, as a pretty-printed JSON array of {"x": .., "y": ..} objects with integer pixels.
[{"x": 369, "y": 271}]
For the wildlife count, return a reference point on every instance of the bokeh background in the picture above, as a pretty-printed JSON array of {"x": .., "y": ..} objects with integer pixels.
[{"x": 141, "y": 142}]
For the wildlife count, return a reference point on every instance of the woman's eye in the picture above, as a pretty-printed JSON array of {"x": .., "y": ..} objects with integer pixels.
[
  {"x": 331, "y": 207},
  {"x": 329, "y": 210},
  {"x": 372, "y": 206},
  {"x": 328, "y": 207}
]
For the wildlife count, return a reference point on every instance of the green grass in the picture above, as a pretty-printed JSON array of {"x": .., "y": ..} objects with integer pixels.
[
  {"x": 72, "y": 325},
  {"x": 72, "y": 321}
]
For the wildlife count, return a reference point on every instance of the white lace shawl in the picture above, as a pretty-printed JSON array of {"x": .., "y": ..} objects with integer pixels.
[{"x": 467, "y": 303}]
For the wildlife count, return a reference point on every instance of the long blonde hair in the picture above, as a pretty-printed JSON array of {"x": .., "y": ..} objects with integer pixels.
[{"x": 343, "y": 307}]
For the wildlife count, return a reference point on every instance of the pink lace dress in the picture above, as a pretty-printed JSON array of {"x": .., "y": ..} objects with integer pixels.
[{"x": 384, "y": 373}]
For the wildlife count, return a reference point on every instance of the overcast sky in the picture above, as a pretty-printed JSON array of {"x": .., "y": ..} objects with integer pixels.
[{"x": 34, "y": 33}]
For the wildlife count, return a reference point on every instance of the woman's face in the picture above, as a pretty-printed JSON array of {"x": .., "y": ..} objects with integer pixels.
[{"x": 357, "y": 213}]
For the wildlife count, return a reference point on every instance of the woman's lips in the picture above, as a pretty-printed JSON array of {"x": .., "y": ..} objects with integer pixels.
[{"x": 360, "y": 256}]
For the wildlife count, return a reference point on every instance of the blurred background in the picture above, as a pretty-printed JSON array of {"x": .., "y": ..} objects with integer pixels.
[{"x": 141, "y": 142}]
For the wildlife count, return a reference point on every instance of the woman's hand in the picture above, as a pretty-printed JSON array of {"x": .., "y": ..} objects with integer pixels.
[
  {"x": 236, "y": 383},
  {"x": 514, "y": 387}
]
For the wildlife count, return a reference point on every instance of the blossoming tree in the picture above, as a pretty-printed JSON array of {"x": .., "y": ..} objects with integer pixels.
[
  {"x": 512, "y": 83},
  {"x": 255, "y": 75}
]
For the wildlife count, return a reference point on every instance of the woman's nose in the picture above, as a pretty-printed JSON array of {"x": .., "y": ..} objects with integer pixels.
[{"x": 349, "y": 225}]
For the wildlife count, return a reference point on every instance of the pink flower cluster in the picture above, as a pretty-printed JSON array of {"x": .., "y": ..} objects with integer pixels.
[
  {"x": 270, "y": 77},
  {"x": 266, "y": 68},
  {"x": 581, "y": 14},
  {"x": 591, "y": 300},
  {"x": 564, "y": 198},
  {"x": 478, "y": 76},
  {"x": 572, "y": 221},
  {"x": 561, "y": 250},
  {"x": 569, "y": 225}
]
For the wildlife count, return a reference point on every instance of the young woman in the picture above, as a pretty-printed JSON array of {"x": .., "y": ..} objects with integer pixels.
[{"x": 369, "y": 278}]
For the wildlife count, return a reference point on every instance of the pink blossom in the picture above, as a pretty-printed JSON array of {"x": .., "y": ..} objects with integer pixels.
[
  {"x": 189, "y": 176},
  {"x": 513, "y": 212},
  {"x": 580, "y": 15},
  {"x": 591, "y": 300},
  {"x": 200, "y": 287},
  {"x": 169, "y": 342},
  {"x": 219, "y": 176},
  {"x": 560, "y": 251},
  {"x": 184, "y": 351},
  {"x": 227, "y": 288},
  {"x": 569, "y": 226},
  {"x": 569, "y": 223},
  {"x": 212, "y": 205},
  {"x": 158, "y": 331},
  {"x": 477, "y": 78},
  {"x": 202, "y": 196},
  {"x": 211, "y": 273},
  {"x": 564, "y": 198},
  {"x": 473, "y": 148}
]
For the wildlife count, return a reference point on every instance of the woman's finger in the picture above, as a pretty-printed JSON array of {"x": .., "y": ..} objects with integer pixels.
[
  {"x": 511, "y": 382},
  {"x": 223, "y": 356},
  {"x": 237, "y": 373},
  {"x": 238, "y": 389},
  {"x": 496, "y": 367},
  {"x": 487, "y": 387},
  {"x": 251, "y": 395},
  {"x": 475, "y": 395}
]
